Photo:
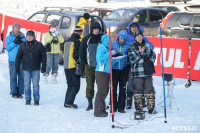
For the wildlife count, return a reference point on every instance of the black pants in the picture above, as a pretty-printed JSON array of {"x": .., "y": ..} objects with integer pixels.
[
  {"x": 73, "y": 82},
  {"x": 119, "y": 77},
  {"x": 103, "y": 80}
]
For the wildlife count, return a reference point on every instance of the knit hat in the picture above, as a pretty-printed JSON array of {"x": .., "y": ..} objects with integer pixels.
[
  {"x": 78, "y": 30},
  {"x": 138, "y": 32},
  {"x": 133, "y": 25},
  {"x": 86, "y": 16},
  {"x": 52, "y": 23},
  {"x": 30, "y": 33},
  {"x": 15, "y": 24}
]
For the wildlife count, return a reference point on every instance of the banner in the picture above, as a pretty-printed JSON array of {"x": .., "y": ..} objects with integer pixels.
[
  {"x": 1, "y": 22},
  {"x": 39, "y": 28},
  {"x": 175, "y": 56},
  {"x": 195, "y": 60}
]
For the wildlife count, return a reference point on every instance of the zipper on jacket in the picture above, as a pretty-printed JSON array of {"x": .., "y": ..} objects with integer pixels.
[{"x": 119, "y": 52}]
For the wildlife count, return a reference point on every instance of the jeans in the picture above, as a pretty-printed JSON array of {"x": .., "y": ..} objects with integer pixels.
[
  {"x": 16, "y": 80},
  {"x": 52, "y": 63},
  {"x": 35, "y": 77}
]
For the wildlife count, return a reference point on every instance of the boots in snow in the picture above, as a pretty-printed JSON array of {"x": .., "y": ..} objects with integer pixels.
[
  {"x": 90, "y": 105},
  {"x": 151, "y": 103},
  {"x": 54, "y": 80},
  {"x": 45, "y": 78},
  {"x": 129, "y": 100},
  {"x": 138, "y": 101}
]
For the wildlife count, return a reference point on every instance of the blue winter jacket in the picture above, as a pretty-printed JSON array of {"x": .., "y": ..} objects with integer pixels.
[
  {"x": 102, "y": 55},
  {"x": 123, "y": 49},
  {"x": 131, "y": 38},
  {"x": 12, "y": 47}
]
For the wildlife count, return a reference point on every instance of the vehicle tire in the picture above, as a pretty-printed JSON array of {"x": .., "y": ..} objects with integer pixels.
[{"x": 98, "y": 0}]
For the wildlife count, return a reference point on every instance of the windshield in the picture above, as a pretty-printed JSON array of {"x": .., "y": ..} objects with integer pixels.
[{"x": 121, "y": 15}]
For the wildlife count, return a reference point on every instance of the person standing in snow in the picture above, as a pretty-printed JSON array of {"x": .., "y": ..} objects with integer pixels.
[
  {"x": 71, "y": 67},
  {"x": 102, "y": 75},
  {"x": 53, "y": 39},
  {"x": 12, "y": 44},
  {"x": 32, "y": 54},
  {"x": 84, "y": 24},
  {"x": 141, "y": 80},
  {"x": 132, "y": 28},
  {"x": 88, "y": 49},
  {"x": 119, "y": 71}
]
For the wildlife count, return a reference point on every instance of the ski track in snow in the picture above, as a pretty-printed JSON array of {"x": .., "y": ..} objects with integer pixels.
[{"x": 51, "y": 117}]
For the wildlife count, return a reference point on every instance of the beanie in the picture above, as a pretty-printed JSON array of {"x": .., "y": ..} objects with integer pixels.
[
  {"x": 138, "y": 32},
  {"x": 86, "y": 16},
  {"x": 15, "y": 24},
  {"x": 30, "y": 33},
  {"x": 78, "y": 30}
]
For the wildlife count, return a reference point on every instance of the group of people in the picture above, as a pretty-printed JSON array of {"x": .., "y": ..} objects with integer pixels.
[{"x": 85, "y": 52}]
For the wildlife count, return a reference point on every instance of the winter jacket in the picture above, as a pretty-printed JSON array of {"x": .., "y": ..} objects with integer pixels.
[
  {"x": 32, "y": 55},
  {"x": 85, "y": 27},
  {"x": 12, "y": 47},
  {"x": 55, "y": 47},
  {"x": 131, "y": 37},
  {"x": 123, "y": 49},
  {"x": 88, "y": 48},
  {"x": 102, "y": 56},
  {"x": 137, "y": 59},
  {"x": 71, "y": 52}
]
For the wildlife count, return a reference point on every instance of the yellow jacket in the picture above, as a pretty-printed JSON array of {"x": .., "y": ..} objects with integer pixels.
[
  {"x": 85, "y": 27},
  {"x": 55, "y": 47}
]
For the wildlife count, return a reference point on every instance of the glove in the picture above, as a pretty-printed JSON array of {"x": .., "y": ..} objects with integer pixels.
[
  {"x": 17, "y": 70},
  {"x": 18, "y": 40},
  {"x": 57, "y": 33},
  {"x": 43, "y": 70},
  {"x": 2, "y": 51},
  {"x": 119, "y": 54},
  {"x": 113, "y": 52},
  {"x": 54, "y": 35}
]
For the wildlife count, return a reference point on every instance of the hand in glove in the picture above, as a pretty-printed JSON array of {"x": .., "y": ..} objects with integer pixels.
[
  {"x": 17, "y": 70},
  {"x": 43, "y": 70},
  {"x": 57, "y": 33},
  {"x": 78, "y": 70},
  {"x": 54, "y": 35},
  {"x": 18, "y": 40}
]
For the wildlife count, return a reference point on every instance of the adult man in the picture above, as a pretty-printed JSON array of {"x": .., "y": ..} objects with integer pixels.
[
  {"x": 132, "y": 28},
  {"x": 12, "y": 44},
  {"x": 53, "y": 39},
  {"x": 84, "y": 24},
  {"x": 32, "y": 54},
  {"x": 88, "y": 49},
  {"x": 142, "y": 81},
  {"x": 71, "y": 64}
]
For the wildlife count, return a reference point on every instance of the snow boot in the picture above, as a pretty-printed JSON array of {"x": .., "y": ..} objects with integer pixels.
[
  {"x": 28, "y": 102},
  {"x": 151, "y": 103},
  {"x": 143, "y": 101},
  {"x": 71, "y": 106},
  {"x": 105, "y": 114},
  {"x": 138, "y": 101},
  {"x": 129, "y": 100},
  {"x": 45, "y": 78},
  {"x": 36, "y": 103},
  {"x": 90, "y": 105},
  {"x": 54, "y": 80}
]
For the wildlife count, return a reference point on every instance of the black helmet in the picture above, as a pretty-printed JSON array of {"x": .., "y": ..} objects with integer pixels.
[{"x": 138, "y": 32}]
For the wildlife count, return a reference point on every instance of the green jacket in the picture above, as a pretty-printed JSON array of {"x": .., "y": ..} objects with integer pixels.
[{"x": 55, "y": 47}]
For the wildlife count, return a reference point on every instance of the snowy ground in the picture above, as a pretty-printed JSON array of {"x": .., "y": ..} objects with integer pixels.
[{"x": 52, "y": 117}]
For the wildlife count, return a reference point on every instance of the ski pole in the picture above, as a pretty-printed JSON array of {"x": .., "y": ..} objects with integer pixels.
[
  {"x": 111, "y": 83},
  {"x": 163, "y": 76}
]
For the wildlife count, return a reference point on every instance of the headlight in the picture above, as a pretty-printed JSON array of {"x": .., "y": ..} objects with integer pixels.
[{"x": 112, "y": 28}]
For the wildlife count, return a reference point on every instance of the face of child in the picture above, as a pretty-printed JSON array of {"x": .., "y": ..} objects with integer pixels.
[{"x": 121, "y": 41}]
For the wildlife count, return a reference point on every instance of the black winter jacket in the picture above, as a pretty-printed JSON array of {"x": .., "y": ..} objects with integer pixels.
[{"x": 32, "y": 55}]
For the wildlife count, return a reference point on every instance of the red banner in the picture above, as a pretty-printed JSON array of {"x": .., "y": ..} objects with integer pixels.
[
  {"x": 175, "y": 56},
  {"x": 195, "y": 60},
  {"x": 1, "y": 21},
  {"x": 39, "y": 28}
]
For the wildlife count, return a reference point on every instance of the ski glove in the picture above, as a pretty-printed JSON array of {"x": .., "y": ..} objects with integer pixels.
[
  {"x": 57, "y": 33},
  {"x": 54, "y": 35},
  {"x": 18, "y": 40},
  {"x": 43, "y": 70}
]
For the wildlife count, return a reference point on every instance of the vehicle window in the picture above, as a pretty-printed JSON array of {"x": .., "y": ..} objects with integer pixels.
[
  {"x": 95, "y": 12},
  {"x": 155, "y": 15},
  {"x": 196, "y": 21},
  {"x": 53, "y": 17},
  {"x": 185, "y": 20},
  {"x": 38, "y": 17},
  {"x": 65, "y": 23},
  {"x": 141, "y": 17},
  {"x": 121, "y": 15}
]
